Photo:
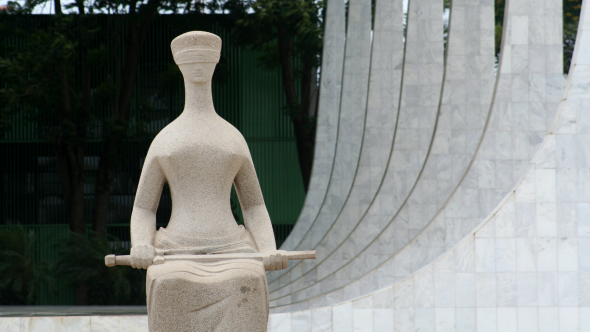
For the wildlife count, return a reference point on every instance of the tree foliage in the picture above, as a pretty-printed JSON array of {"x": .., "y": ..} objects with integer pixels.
[
  {"x": 32, "y": 79},
  {"x": 299, "y": 20},
  {"x": 21, "y": 275},
  {"x": 571, "y": 18},
  {"x": 288, "y": 34},
  {"x": 82, "y": 262},
  {"x": 52, "y": 78}
]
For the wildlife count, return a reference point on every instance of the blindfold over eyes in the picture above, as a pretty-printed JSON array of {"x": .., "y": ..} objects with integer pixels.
[{"x": 192, "y": 56}]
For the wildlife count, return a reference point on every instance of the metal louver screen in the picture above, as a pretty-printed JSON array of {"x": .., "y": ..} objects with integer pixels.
[{"x": 246, "y": 95}]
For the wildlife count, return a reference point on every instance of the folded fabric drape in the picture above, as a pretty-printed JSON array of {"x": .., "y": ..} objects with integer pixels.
[
  {"x": 239, "y": 242},
  {"x": 228, "y": 290}
]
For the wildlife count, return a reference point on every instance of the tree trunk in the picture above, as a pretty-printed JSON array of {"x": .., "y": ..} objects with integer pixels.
[
  {"x": 134, "y": 41},
  {"x": 304, "y": 135},
  {"x": 70, "y": 159},
  {"x": 303, "y": 124},
  {"x": 70, "y": 162},
  {"x": 104, "y": 181},
  {"x": 287, "y": 70},
  {"x": 70, "y": 151}
]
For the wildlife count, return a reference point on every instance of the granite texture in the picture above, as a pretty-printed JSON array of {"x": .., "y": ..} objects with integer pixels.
[{"x": 201, "y": 156}]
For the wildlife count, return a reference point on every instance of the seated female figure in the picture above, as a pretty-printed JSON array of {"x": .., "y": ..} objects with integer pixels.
[{"x": 200, "y": 156}]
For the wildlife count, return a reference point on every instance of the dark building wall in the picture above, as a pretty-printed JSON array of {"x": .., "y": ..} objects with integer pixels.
[{"x": 246, "y": 95}]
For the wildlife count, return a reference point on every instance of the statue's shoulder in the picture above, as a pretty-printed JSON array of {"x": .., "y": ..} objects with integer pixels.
[
  {"x": 233, "y": 133},
  {"x": 162, "y": 141}
]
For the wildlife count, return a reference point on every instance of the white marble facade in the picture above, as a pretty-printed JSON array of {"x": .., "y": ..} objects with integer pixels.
[
  {"x": 502, "y": 241},
  {"x": 453, "y": 155},
  {"x": 135, "y": 323},
  {"x": 327, "y": 123}
]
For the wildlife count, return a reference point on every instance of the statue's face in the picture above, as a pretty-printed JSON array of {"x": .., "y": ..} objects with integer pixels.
[{"x": 198, "y": 72}]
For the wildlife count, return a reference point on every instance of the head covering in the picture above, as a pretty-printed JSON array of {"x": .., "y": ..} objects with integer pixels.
[{"x": 196, "y": 46}]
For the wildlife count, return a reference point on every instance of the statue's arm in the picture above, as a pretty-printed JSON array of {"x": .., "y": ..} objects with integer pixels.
[
  {"x": 143, "y": 217},
  {"x": 256, "y": 218}
]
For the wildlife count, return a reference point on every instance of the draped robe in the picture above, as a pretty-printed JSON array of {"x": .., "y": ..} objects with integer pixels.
[{"x": 227, "y": 295}]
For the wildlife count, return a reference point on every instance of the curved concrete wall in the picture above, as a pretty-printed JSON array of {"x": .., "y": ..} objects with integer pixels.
[
  {"x": 453, "y": 155},
  {"x": 379, "y": 127},
  {"x": 525, "y": 266},
  {"x": 350, "y": 125},
  {"x": 402, "y": 160},
  {"x": 327, "y": 123}
]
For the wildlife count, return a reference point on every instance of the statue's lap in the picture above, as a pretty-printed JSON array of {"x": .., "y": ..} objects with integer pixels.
[
  {"x": 223, "y": 296},
  {"x": 227, "y": 295}
]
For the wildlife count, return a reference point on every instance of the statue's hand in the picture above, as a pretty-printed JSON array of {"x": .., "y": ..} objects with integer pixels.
[
  {"x": 275, "y": 261},
  {"x": 142, "y": 256}
]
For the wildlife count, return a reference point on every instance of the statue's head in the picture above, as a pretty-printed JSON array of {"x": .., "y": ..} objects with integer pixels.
[{"x": 196, "y": 53}]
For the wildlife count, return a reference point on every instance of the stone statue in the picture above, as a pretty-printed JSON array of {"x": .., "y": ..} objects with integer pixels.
[{"x": 201, "y": 155}]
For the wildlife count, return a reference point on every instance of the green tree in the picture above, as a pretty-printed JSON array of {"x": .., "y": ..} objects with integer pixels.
[
  {"x": 37, "y": 81},
  {"x": 21, "y": 275},
  {"x": 82, "y": 262},
  {"x": 289, "y": 35},
  {"x": 51, "y": 79},
  {"x": 571, "y": 18}
]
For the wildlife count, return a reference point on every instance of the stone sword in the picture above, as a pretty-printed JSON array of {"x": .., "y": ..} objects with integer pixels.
[{"x": 168, "y": 255}]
